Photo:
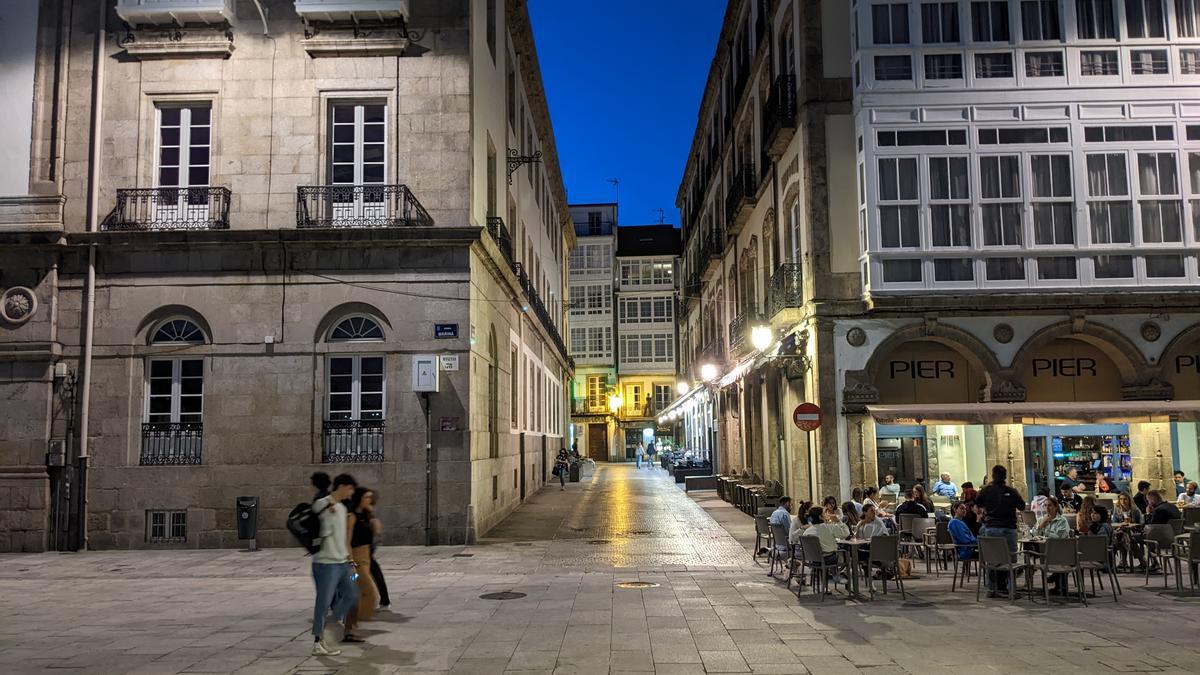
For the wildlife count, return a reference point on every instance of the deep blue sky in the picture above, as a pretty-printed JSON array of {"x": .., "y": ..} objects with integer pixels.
[{"x": 624, "y": 79}]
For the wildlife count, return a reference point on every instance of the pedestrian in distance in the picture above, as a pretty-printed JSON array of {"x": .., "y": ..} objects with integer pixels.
[
  {"x": 331, "y": 567},
  {"x": 363, "y": 528},
  {"x": 562, "y": 467},
  {"x": 640, "y": 455}
]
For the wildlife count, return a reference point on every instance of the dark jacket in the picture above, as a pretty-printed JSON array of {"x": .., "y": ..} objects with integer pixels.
[
  {"x": 1139, "y": 500},
  {"x": 1000, "y": 505},
  {"x": 1163, "y": 514},
  {"x": 912, "y": 507}
]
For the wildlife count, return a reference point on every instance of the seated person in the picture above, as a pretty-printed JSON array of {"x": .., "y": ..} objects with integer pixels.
[
  {"x": 945, "y": 487},
  {"x": 890, "y": 490},
  {"x": 1054, "y": 525},
  {"x": 1190, "y": 498},
  {"x": 1139, "y": 500},
  {"x": 828, "y": 531},
  {"x": 1104, "y": 484},
  {"x": 973, "y": 518},
  {"x": 850, "y": 515},
  {"x": 911, "y": 506},
  {"x": 870, "y": 525},
  {"x": 782, "y": 515},
  {"x": 961, "y": 533},
  {"x": 969, "y": 493},
  {"x": 1161, "y": 512},
  {"x": 856, "y": 498},
  {"x": 1038, "y": 503},
  {"x": 1100, "y": 523},
  {"x": 809, "y": 517}
]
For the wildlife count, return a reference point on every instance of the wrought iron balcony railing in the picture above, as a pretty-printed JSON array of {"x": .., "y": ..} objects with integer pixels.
[
  {"x": 714, "y": 351},
  {"x": 539, "y": 308},
  {"x": 358, "y": 206},
  {"x": 170, "y": 208},
  {"x": 743, "y": 188},
  {"x": 499, "y": 232},
  {"x": 779, "y": 113},
  {"x": 171, "y": 443},
  {"x": 739, "y": 329},
  {"x": 787, "y": 288},
  {"x": 352, "y": 441},
  {"x": 713, "y": 245}
]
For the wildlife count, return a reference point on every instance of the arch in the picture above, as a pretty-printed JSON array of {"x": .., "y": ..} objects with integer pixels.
[
  {"x": 152, "y": 322},
  {"x": 1125, "y": 355},
  {"x": 1188, "y": 336},
  {"x": 1179, "y": 364},
  {"x": 346, "y": 310},
  {"x": 971, "y": 348}
]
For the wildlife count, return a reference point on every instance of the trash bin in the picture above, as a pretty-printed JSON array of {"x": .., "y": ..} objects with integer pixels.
[
  {"x": 247, "y": 518},
  {"x": 574, "y": 473}
]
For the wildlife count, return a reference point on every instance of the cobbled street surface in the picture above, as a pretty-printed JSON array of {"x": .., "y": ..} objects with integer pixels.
[{"x": 713, "y": 610}]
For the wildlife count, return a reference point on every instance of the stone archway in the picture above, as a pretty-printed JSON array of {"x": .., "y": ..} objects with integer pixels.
[
  {"x": 1180, "y": 364},
  {"x": 1080, "y": 361}
]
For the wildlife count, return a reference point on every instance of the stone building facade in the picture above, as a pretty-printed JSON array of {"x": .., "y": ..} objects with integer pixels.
[
  {"x": 240, "y": 235},
  {"x": 979, "y": 274}
]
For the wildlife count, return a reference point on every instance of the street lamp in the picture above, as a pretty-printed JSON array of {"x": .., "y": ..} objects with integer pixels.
[
  {"x": 615, "y": 402},
  {"x": 682, "y": 388},
  {"x": 762, "y": 337},
  {"x": 708, "y": 372}
]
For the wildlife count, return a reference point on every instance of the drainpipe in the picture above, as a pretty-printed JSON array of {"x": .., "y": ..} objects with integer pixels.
[{"x": 92, "y": 226}]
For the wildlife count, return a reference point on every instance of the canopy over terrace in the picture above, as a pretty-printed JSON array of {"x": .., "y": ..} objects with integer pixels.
[{"x": 1095, "y": 412}]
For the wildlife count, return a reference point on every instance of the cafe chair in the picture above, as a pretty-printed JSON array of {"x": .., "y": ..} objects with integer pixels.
[
  {"x": 918, "y": 543},
  {"x": 781, "y": 552},
  {"x": 814, "y": 560},
  {"x": 884, "y": 554},
  {"x": 942, "y": 545},
  {"x": 1191, "y": 518},
  {"x": 1179, "y": 524},
  {"x": 1030, "y": 518},
  {"x": 1160, "y": 548},
  {"x": 994, "y": 556},
  {"x": 904, "y": 525},
  {"x": 964, "y": 565},
  {"x": 1061, "y": 556},
  {"x": 1188, "y": 552},
  {"x": 762, "y": 533},
  {"x": 1096, "y": 558}
]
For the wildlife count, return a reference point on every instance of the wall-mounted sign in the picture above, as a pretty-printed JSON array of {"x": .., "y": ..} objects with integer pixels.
[
  {"x": 449, "y": 362},
  {"x": 807, "y": 417},
  {"x": 1183, "y": 371},
  {"x": 1070, "y": 370},
  {"x": 445, "y": 331},
  {"x": 923, "y": 371}
]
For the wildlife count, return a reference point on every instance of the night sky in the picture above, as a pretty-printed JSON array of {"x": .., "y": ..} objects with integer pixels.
[{"x": 624, "y": 80}]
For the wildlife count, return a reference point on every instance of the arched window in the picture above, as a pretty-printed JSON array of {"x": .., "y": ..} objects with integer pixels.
[
  {"x": 356, "y": 328},
  {"x": 178, "y": 330}
]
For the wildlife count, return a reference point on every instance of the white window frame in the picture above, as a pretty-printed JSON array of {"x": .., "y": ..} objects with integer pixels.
[
  {"x": 1160, "y": 198},
  {"x": 365, "y": 203},
  {"x": 356, "y": 392},
  {"x": 1052, "y": 200},
  {"x": 1002, "y": 203},
  {"x": 182, "y": 206},
  {"x": 951, "y": 202},
  {"x": 176, "y": 394},
  {"x": 902, "y": 203}
]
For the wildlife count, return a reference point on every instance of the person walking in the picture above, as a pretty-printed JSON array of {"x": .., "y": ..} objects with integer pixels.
[
  {"x": 1000, "y": 504},
  {"x": 562, "y": 467},
  {"x": 651, "y": 451},
  {"x": 321, "y": 481},
  {"x": 640, "y": 455},
  {"x": 331, "y": 566},
  {"x": 363, "y": 528},
  {"x": 385, "y": 601}
]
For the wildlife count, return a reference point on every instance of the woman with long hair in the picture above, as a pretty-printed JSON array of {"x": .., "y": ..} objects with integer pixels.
[
  {"x": 850, "y": 515},
  {"x": 362, "y": 528},
  {"x": 920, "y": 497},
  {"x": 1083, "y": 519}
]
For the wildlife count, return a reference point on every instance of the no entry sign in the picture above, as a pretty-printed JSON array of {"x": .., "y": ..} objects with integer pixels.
[{"x": 807, "y": 416}]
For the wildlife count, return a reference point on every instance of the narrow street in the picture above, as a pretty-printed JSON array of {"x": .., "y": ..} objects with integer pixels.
[{"x": 709, "y": 608}]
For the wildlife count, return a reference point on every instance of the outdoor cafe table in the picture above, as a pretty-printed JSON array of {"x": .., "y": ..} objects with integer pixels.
[{"x": 851, "y": 547}]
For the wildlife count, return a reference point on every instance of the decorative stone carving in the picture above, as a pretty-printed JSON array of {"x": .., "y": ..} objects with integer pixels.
[
  {"x": 1006, "y": 391},
  {"x": 1003, "y": 333},
  {"x": 18, "y": 304},
  {"x": 860, "y": 393},
  {"x": 857, "y": 337},
  {"x": 1151, "y": 331},
  {"x": 1152, "y": 390}
]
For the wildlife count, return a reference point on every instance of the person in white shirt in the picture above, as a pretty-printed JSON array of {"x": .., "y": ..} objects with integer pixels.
[
  {"x": 1190, "y": 497},
  {"x": 332, "y": 569},
  {"x": 890, "y": 490},
  {"x": 870, "y": 525}
]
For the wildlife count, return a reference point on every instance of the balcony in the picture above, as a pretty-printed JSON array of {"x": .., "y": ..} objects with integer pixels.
[
  {"x": 352, "y": 441},
  {"x": 499, "y": 233},
  {"x": 352, "y": 10},
  {"x": 174, "y": 12},
  {"x": 787, "y": 288},
  {"x": 740, "y": 199},
  {"x": 173, "y": 208},
  {"x": 779, "y": 115},
  {"x": 712, "y": 248},
  {"x": 358, "y": 206},
  {"x": 594, "y": 228},
  {"x": 713, "y": 352},
  {"x": 171, "y": 443},
  {"x": 739, "y": 332},
  {"x": 582, "y": 406},
  {"x": 539, "y": 308},
  {"x": 641, "y": 411}
]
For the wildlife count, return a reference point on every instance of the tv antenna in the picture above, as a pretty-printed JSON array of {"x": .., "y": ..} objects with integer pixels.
[
  {"x": 662, "y": 216},
  {"x": 616, "y": 183}
]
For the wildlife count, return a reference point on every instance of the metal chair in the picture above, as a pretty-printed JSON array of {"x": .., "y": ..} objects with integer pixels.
[
  {"x": 1178, "y": 524},
  {"x": 814, "y": 560},
  {"x": 762, "y": 531},
  {"x": 1191, "y": 518},
  {"x": 885, "y": 552},
  {"x": 1160, "y": 548},
  {"x": 1062, "y": 557},
  {"x": 966, "y": 565},
  {"x": 781, "y": 552},
  {"x": 1189, "y": 552},
  {"x": 942, "y": 545},
  {"x": 1030, "y": 518},
  {"x": 918, "y": 543},
  {"x": 994, "y": 556},
  {"x": 904, "y": 525},
  {"x": 1095, "y": 556}
]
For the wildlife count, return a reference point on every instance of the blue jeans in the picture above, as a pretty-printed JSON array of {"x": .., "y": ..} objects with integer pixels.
[
  {"x": 1001, "y": 580},
  {"x": 335, "y": 589}
]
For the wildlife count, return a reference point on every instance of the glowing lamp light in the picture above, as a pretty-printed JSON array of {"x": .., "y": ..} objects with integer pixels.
[
  {"x": 682, "y": 388},
  {"x": 615, "y": 402},
  {"x": 762, "y": 337},
  {"x": 708, "y": 371}
]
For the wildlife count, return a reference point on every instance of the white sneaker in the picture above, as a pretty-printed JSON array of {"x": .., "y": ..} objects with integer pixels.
[{"x": 320, "y": 649}]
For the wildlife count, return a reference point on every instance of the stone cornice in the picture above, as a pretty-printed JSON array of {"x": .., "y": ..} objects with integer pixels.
[{"x": 342, "y": 237}]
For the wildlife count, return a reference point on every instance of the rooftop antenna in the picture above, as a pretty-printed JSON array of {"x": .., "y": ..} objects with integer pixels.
[
  {"x": 662, "y": 216},
  {"x": 616, "y": 189}
]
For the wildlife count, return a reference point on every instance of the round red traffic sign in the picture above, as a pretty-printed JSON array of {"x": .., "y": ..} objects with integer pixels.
[{"x": 807, "y": 416}]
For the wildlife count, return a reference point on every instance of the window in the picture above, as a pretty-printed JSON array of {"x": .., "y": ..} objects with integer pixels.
[
  {"x": 1053, "y": 208},
  {"x": 901, "y": 271},
  {"x": 1056, "y": 268},
  {"x": 939, "y": 22},
  {"x": 892, "y": 68},
  {"x": 1113, "y": 266},
  {"x": 890, "y": 22},
  {"x": 1187, "y": 18},
  {"x": 1164, "y": 266},
  {"x": 943, "y": 67},
  {"x": 493, "y": 384},
  {"x": 178, "y": 330},
  {"x": 1039, "y": 20},
  {"x": 989, "y": 21},
  {"x": 175, "y": 391},
  {"x": 932, "y": 137},
  {"x": 591, "y": 299},
  {"x": 514, "y": 388},
  {"x": 953, "y": 269},
  {"x": 1005, "y": 269},
  {"x": 1044, "y": 64},
  {"x": 1145, "y": 18},
  {"x": 1000, "y": 190},
  {"x": 950, "y": 201},
  {"x": 356, "y": 328},
  {"x": 1109, "y": 206},
  {"x": 1162, "y": 132},
  {"x": 662, "y": 397},
  {"x": 597, "y": 387},
  {"x": 1023, "y": 135},
  {"x": 355, "y": 389},
  {"x": 1095, "y": 20},
  {"x": 1149, "y": 62},
  {"x": 1189, "y": 61},
  {"x": 184, "y": 144},
  {"x": 646, "y": 310},
  {"x": 593, "y": 342},
  {"x": 357, "y": 153},
  {"x": 490, "y": 17},
  {"x": 1194, "y": 179},
  {"x": 898, "y": 183},
  {"x": 997, "y": 64},
  {"x": 1099, "y": 63},
  {"x": 1160, "y": 205},
  {"x": 646, "y": 272},
  {"x": 647, "y": 348},
  {"x": 166, "y": 527}
]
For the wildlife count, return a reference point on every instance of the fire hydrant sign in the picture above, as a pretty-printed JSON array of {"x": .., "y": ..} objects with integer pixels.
[{"x": 807, "y": 416}]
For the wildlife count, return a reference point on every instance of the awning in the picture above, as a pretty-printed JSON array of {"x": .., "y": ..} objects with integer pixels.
[{"x": 1037, "y": 413}]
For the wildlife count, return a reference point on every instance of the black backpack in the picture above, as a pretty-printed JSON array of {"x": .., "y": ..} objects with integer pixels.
[{"x": 305, "y": 525}]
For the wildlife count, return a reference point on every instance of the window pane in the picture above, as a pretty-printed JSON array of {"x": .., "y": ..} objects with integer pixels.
[
  {"x": 1114, "y": 266},
  {"x": 901, "y": 271},
  {"x": 1164, "y": 266},
  {"x": 1005, "y": 269},
  {"x": 954, "y": 269}
]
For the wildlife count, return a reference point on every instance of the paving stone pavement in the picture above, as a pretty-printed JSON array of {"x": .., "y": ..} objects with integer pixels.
[{"x": 712, "y": 610}]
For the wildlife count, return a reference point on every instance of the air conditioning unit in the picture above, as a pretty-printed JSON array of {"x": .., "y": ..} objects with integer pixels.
[
  {"x": 178, "y": 12},
  {"x": 352, "y": 10}
]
